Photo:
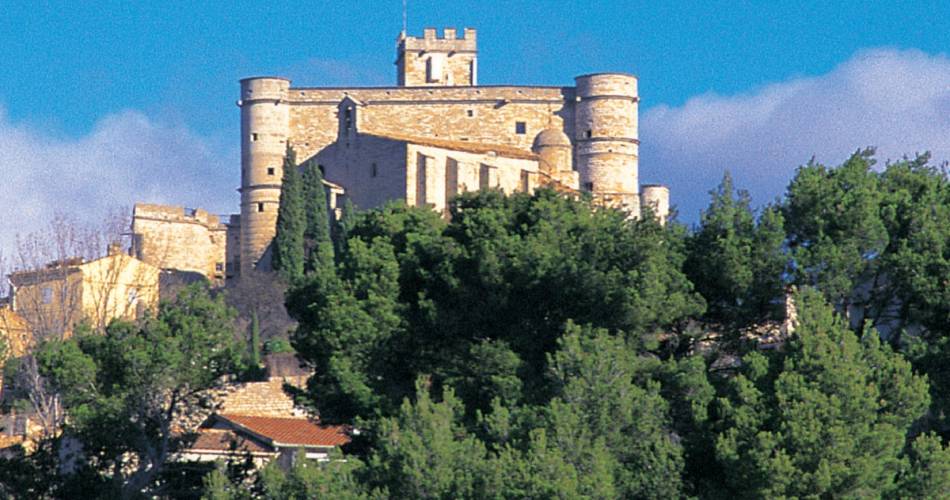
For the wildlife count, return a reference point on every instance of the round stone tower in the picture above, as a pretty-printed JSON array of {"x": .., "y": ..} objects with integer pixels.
[
  {"x": 657, "y": 197},
  {"x": 605, "y": 134},
  {"x": 265, "y": 124},
  {"x": 554, "y": 151}
]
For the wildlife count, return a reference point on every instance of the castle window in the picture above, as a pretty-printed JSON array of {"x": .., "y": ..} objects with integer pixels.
[
  {"x": 260, "y": 207},
  {"x": 521, "y": 128},
  {"x": 254, "y": 137},
  {"x": 589, "y": 133},
  {"x": 375, "y": 171},
  {"x": 218, "y": 266},
  {"x": 348, "y": 118},
  {"x": 470, "y": 113},
  {"x": 589, "y": 186},
  {"x": 270, "y": 171}
]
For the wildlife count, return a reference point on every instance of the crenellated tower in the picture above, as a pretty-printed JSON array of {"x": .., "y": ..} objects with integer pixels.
[
  {"x": 433, "y": 61},
  {"x": 606, "y": 139},
  {"x": 265, "y": 124}
]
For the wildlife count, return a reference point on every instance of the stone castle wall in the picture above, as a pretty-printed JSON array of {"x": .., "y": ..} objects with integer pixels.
[
  {"x": 354, "y": 135},
  {"x": 475, "y": 114},
  {"x": 169, "y": 237}
]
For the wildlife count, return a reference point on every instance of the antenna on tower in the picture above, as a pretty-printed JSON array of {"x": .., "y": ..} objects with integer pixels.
[{"x": 405, "y": 10}]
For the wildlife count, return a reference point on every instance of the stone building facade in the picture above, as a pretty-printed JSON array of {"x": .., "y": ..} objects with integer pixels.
[
  {"x": 437, "y": 133},
  {"x": 53, "y": 300},
  {"x": 181, "y": 239}
]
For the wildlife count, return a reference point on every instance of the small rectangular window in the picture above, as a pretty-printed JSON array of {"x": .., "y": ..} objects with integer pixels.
[
  {"x": 589, "y": 133},
  {"x": 375, "y": 171},
  {"x": 260, "y": 207},
  {"x": 470, "y": 113},
  {"x": 589, "y": 186},
  {"x": 270, "y": 171},
  {"x": 253, "y": 137},
  {"x": 521, "y": 128}
]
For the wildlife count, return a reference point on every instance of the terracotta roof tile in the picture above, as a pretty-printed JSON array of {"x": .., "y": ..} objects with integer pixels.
[{"x": 291, "y": 431}]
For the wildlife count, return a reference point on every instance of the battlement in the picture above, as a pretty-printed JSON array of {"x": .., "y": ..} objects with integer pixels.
[
  {"x": 168, "y": 213},
  {"x": 432, "y": 42}
]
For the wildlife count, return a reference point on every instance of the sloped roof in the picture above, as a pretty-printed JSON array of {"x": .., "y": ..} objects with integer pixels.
[
  {"x": 465, "y": 146},
  {"x": 290, "y": 431},
  {"x": 224, "y": 440}
]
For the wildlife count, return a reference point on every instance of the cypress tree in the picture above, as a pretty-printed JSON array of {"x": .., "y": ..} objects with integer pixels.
[
  {"x": 317, "y": 233},
  {"x": 291, "y": 223},
  {"x": 255, "y": 340}
]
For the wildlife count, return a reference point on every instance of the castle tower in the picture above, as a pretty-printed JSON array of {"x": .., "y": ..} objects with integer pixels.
[
  {"x": 657, "y": 197},
  {"x": 265, "y": 122},
  {"x": 605, "y": 134},
  {"x": 432, "y": 61},
  {"x": 554, "y": 151}
]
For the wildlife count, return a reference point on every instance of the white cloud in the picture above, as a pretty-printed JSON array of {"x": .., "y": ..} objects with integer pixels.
[
  {"x": 126, "y": 158},
  {"x": 895, "y": 100}
]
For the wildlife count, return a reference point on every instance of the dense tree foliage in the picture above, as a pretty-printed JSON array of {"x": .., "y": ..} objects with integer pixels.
[
  {"x": 826, "y": 416},
  {"x": 121, "y": 391},
  {"x": 490, "y": 290},
  {"x": 536, "y": 346},
  {"x": 735, "y": 261}
]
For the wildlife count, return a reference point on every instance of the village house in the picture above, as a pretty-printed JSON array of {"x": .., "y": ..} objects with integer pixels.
[
  {"x": 261, "y": 420},
  {"x": 53, "y": 300}
]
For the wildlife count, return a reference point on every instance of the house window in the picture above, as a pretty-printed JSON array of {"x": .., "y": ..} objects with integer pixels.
[
  {"x": 270, "y": 171},
  {"x": 47, "y": 295},
  {"x": 521, "y": 128},
  {"x": 375, "y": 171},
  {"x": 260, "y": 207},
  {"x": 254, "y": 137}
]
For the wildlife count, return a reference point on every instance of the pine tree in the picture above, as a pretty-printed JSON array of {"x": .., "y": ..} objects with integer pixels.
[
  {"x": 317, "y": 233},
  {"x": 291, "y": 223},
  {"x": 735, "y": 263},
  {"x": 217, "y": 486},
  {"x": 827, "y": 417},
  {"x": 929, "y": 472}
]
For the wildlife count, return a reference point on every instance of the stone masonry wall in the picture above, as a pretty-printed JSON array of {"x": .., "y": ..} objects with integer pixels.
[
  {"x": 475, "y": 114},
  {"x": 169, "y": 237}
]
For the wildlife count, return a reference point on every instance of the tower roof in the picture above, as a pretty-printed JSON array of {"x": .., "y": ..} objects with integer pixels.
[{"x": 551, "y": 137}]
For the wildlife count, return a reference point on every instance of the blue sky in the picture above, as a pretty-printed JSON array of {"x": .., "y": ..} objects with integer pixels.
[{"x": 139, "y": 96}]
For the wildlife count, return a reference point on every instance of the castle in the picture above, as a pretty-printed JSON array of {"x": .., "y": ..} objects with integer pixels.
[{"x": 434, "y": 134}]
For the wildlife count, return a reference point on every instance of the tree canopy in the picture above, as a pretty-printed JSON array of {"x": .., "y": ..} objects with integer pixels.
[{"x": 538, "y": 346}]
